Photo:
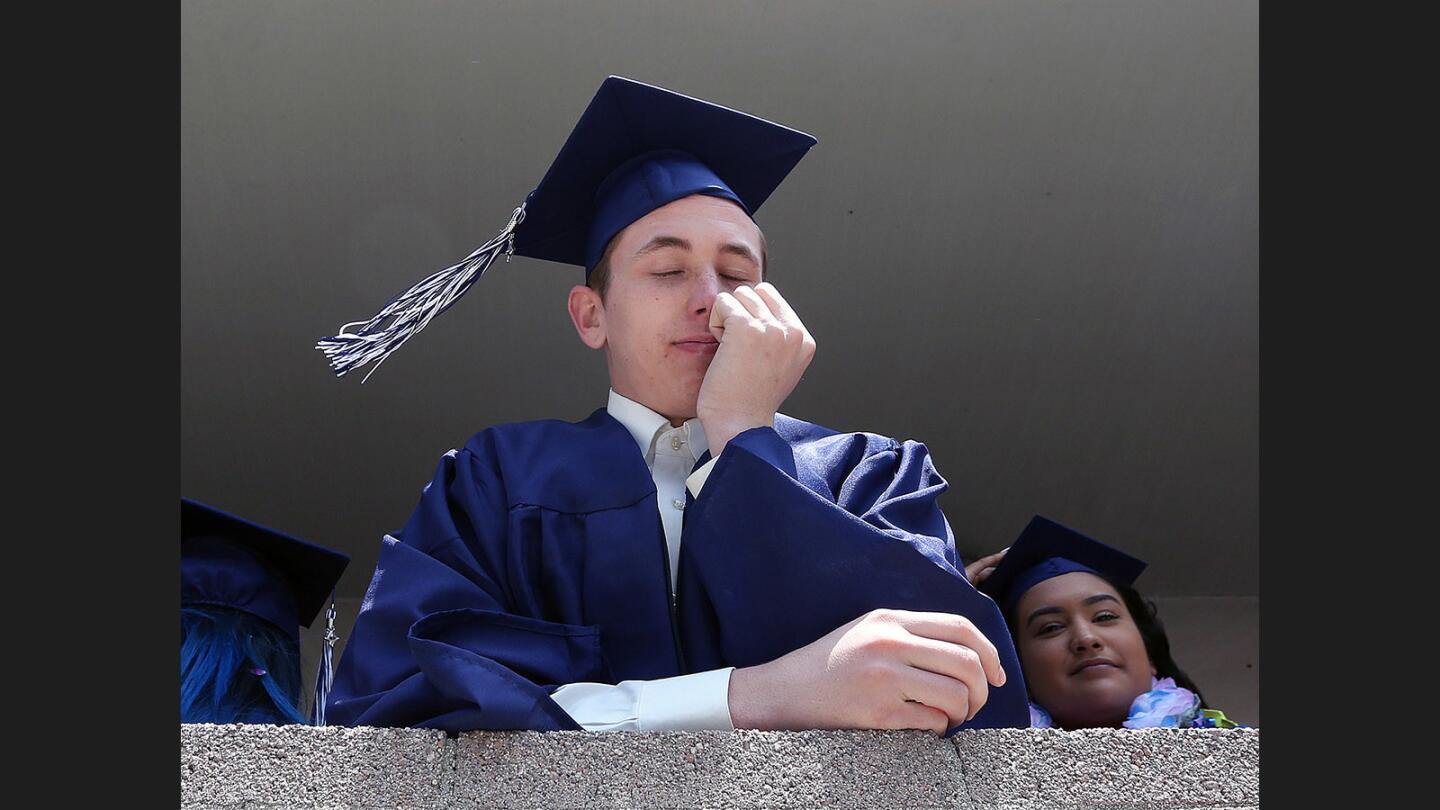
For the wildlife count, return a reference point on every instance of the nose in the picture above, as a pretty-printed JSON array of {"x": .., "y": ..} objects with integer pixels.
[
  {"x": 1085, "y": 639},
  {"x": 703, "y": 291}
]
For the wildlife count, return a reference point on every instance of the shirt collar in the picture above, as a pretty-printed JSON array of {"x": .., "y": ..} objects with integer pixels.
[{"x": 645, "y": 426}]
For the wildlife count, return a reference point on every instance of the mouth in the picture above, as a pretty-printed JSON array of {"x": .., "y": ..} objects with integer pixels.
[
  {"x": 1094, "y": 666},
  {"x": 699, "y": 344}
]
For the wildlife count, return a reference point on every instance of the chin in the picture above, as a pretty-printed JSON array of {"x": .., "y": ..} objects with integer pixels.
[
  {"x": 688, "y": 394},
  {"x": 697, "y": 363},
  {"x": 689, "y": 406},
  {"x": 1103, "y": 707},
  {"x": 1095, "y": 717},
  {"x": 679, "y": 403}
]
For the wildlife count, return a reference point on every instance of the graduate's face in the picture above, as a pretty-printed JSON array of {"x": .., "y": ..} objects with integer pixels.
[
  {"x": 1082, "y": 653},
  {"x": 665, "y": 271}
]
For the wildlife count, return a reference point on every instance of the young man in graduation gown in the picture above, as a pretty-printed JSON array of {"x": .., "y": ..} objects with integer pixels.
[{"x": 686, "y": 557}]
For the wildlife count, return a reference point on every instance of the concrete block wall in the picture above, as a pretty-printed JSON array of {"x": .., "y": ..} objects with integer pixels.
[{"x": 1014, "y": 769}]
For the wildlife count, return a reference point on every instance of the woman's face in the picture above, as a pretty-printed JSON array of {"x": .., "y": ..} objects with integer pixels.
[{"x": 1083, "y": 657}]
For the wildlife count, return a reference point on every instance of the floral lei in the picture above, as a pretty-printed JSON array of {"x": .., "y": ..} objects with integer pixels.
[{"x": 1164, "y": 706}]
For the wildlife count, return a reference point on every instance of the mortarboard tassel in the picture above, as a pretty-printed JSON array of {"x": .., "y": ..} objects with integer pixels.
[
  {"x": 325, "y": 677},
  {"x": 412, "y": 310}
]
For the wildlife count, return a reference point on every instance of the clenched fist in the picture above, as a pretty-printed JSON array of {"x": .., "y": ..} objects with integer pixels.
[
  {"x": 887, "y": 669},
  {"x": 764, "y": 349}
]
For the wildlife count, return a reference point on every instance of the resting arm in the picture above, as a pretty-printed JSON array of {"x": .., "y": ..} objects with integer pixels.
[
  {"x": 437, "y": 643},
  {"x": 770, "y": 565}
]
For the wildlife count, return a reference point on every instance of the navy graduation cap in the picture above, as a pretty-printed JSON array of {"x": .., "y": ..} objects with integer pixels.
[
  {"x": 1047, "y": 549},
  {"x": 636, "y": 148},
  {"x": 228, "y": 561}
]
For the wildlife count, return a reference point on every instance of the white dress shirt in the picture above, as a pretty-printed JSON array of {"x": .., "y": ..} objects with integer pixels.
[{"x": 686, "y": 702}]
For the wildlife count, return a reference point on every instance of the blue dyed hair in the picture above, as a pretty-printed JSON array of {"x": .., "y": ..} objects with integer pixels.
[{"x": 236, "y": 668}]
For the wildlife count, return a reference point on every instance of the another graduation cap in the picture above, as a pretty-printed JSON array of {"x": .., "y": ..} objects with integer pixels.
[
  {"x": 227, "y": 561},
  {"x": 230, "y": 562},
  {"x": 1047, "y": 549},
  {"x": 636, "y": 148}
]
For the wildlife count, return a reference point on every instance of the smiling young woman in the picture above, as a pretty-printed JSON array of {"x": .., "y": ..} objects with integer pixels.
[{"x": 1093, "y": 651}]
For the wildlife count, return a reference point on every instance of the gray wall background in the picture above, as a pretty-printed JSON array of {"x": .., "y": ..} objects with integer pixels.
[{"x": 1028, "y": 237}]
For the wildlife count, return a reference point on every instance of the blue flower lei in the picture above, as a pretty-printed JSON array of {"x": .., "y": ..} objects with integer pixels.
[{"x": 1164, "y": 706}]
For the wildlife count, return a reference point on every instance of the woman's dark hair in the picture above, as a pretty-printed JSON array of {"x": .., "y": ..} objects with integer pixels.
[{"x": 1152, "y": 632}]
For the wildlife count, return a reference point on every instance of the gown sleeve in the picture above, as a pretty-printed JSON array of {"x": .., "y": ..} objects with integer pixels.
[
  {"x": 438, "y": 643},
  {"x": 771, "y": 564}
]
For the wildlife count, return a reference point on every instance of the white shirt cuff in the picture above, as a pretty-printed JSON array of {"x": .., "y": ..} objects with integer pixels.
[
  {"x": 697, "y": 479},
  {"x": 698, "y": 702}
]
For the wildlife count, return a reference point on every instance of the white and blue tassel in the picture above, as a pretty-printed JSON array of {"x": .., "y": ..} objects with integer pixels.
[
  {"x": 411, "y": 311},
  {"x": 325, "y": 678}
]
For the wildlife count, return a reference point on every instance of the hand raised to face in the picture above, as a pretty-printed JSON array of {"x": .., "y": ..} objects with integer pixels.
[{"x": 764, "y": 350}]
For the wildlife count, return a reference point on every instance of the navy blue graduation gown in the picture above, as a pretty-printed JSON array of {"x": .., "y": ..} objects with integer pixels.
[{"x": 536, "y": 558}]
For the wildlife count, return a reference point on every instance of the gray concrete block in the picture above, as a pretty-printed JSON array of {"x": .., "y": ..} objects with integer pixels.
[
  {"x": 739, "y": 769},
  {"x": 1012, "y": 769},
  {"x": 1160, "y": 769},
  {"x": 302, "y": 767}
]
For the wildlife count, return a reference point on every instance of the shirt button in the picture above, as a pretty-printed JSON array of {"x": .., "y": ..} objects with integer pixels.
[
  {"x": 675, "y": 442},
  {"x": 678, "y": 503}
]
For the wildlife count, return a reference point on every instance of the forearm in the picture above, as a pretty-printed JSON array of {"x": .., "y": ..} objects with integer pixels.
[
  {"x": 767, "y": 552},
  {"x": 759, "y": 701}
]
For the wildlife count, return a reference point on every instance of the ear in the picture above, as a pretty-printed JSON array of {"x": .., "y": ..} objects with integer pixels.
[{"x": 587, "y": 312}]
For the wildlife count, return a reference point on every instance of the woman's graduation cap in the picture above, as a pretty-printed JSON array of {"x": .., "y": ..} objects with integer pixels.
[
  {"x": 636, "y": 148},
  {"x": 1047, "y": 549},
  {"x": 230, "y": 562},
  {"x": 227, "y": 561}
]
